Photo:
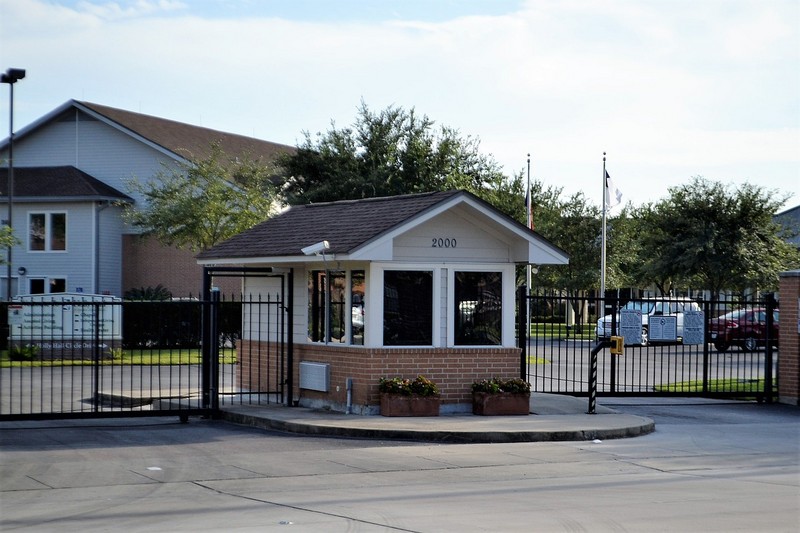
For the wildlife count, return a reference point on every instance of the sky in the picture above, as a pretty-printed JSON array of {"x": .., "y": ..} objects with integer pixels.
[{"x": 669, "y": 89}]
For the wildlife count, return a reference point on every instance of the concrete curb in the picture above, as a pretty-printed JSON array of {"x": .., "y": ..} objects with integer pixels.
[{"x": 450, "y": 428}]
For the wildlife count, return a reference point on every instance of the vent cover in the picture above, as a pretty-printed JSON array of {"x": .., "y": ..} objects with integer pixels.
[{"x": 314, "y": 376}]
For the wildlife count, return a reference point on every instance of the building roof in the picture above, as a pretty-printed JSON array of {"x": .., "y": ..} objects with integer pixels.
[
  {"x": 791, "y": 220},
  {"x": 184, "y": 141},
  {"x": 57, "y": 184},
  {"x": 352, "y": 225}
]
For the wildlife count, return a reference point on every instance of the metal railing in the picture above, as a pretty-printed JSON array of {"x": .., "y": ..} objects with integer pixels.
[
  {"x": 71, "y": 359},
  {"x": 719, "y": 349}
]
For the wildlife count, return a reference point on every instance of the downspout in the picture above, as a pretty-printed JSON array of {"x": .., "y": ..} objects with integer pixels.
[{"x": 99, "y": 207}]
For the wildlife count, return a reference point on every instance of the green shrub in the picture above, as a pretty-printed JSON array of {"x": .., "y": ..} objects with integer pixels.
[
  {"x": 421, "y": 386},
  {"x": 23, "y": 353},
  {"x": 497, "y": 385}
]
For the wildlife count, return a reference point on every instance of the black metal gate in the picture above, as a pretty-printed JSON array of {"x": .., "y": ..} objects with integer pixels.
[
  {"x": 66, "y": 357},
  {"x": 731, "y": 353}
]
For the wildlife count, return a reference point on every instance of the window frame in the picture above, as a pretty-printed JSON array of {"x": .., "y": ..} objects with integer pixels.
[
  {"x": 455, "y": 313},
  {"x": 325, "y": 320},
  {"x": 435, "y": 290},
  {"x": 48, "y": 232},
  {"x": 47, "y": 283}
]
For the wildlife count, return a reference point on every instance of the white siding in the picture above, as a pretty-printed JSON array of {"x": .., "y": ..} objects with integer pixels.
[
  {"x": 110, "y": 251},
  {"x": 106, "y": 154},
  {"x": 450, "y": 237},
  {"x": 261, "y": 322},
  {"x": 92, "y": 146},
  {"x": 444, "y": 320},
  {"x": 75, "y": 264}
]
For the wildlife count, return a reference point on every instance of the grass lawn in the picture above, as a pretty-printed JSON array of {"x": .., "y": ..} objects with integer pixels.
[
  {"x": 538, "y": 361},
  {"x": 542, "y": 329},
  {"x": 128, "y": 357},
  {"x": 716, "y": 385}
]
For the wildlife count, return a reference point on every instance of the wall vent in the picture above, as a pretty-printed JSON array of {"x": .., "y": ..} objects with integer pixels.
[{"x": 315, "y": 376}]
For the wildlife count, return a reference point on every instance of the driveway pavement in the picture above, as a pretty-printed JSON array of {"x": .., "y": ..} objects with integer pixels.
[{"x": 708, "y": 466}]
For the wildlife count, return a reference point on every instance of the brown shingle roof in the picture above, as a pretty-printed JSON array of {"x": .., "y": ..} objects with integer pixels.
[
  {"x": 190, "y": 142},
  {"x": 65, "y": 182},
  {"x": 346, "y": 225}
]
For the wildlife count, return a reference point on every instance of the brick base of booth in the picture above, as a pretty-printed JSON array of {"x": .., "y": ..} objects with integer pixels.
[{"x": 453, "y": 370}]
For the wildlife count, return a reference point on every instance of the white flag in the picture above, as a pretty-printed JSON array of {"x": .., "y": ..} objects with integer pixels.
[{"x": 613, "y": 195}]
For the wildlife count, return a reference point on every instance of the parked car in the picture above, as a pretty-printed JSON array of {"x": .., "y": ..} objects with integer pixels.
[
  {"x": 650, "y": 307},
  {"x": 746, "y": 328}
]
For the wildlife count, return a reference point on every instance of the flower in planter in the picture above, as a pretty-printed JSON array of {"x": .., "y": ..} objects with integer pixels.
[
  {"x": 421, "y": 386},
  {"x": 497, "y": 385}
]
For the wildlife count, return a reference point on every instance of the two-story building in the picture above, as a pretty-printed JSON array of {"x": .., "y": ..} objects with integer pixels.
[{"x": 70, "y": 173}]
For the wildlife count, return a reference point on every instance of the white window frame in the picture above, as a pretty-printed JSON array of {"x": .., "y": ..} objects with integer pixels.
[
  {"x": 509, "y": 301},
  {"x": 46, "y": 280},
  {"x": 375, "y": 300},
  {"x": 47, "y": 231}
]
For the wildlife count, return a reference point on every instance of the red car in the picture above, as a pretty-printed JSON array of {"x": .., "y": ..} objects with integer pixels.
[{"x": 746, "y": 328}]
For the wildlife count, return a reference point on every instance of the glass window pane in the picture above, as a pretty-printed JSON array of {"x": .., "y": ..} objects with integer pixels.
[
  {"x": 357, "y": 282},
  {"x": 37, "y": 286},
  {"x": 478, "y": 308},
  {"x": 37, "y": 233},
  {"x": 58, "y": 285},
  {"x": 407, "y": 308},
  {"x": 58, "y": 231},
  {"x": 316, "y": 306},
  {"x": 338, "y": 290}
]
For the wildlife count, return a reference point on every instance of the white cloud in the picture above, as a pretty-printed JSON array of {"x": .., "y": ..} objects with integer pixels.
[
  {"x": 669, "y": 89},
  {"x": 109, "y": 11}
]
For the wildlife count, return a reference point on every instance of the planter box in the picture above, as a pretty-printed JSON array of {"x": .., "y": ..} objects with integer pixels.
[
  {"x": 400, "y": 405},
  {"x": 502, "y": 403}
]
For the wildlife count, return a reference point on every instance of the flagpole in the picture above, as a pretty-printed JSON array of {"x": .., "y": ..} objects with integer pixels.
[
  {"x": 603, "y": 240},
  {"x": 529, "y": 216}
]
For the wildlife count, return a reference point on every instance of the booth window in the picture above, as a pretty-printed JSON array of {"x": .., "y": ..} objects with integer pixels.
[
  {"x": 316, "y": 306},
  {"x": 478, "y": 308},
  {"x": 357, "y": 281},
  {"x": 337, "y": 307},
  {"x": 407, "y": 308}
]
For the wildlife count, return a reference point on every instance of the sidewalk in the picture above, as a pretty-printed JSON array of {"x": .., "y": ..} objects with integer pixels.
[{"x": 555, "y": 418}]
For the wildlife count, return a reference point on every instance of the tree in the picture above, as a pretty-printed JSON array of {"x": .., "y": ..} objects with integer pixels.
[
  {"x": 7, "y": 239},
  {"x": 395, "y": 152},
  {"x": 197, "y": 205},
  {"x": 721, "y": 238}
]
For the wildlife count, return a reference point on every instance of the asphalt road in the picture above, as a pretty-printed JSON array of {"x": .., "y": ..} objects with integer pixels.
[{"x": 709, "y": 466}]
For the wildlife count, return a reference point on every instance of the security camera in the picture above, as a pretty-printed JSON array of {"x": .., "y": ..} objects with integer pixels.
[{"x": 316, "y": 249}]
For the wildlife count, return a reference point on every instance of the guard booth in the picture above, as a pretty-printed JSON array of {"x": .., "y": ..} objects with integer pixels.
[{"x": 385, "y": 287}]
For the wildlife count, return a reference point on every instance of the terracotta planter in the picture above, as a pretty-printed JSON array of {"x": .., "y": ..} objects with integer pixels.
[
  {"x": 501, "y": 403},
  {"x": 400, "y": 405}
]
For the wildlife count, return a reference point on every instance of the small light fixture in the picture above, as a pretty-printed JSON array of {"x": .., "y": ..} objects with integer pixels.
[{"x": 22, "y": 271}]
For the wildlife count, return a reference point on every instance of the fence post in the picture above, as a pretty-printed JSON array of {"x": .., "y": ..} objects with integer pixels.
[
  {"x": 288, "y": 306},
  {"x": 95, "y": 354},
  {"x": 614, "y": 331},
  {"x": 768, "y": 389},
  {"x": 214, "y": 351},
  {"x": 205, "y": 343},
  {"x": 709, "y": 307},
  {"x": 522, "y": 335},
  {"x": 593, "y": 376}
]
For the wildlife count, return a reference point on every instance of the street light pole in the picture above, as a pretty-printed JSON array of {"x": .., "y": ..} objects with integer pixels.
[{"x": 11, "y": 76}]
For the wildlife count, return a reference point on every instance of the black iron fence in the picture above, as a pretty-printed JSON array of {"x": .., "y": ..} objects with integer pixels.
[
  {"x": 671, "y": 346},
  {"x": 71, "y": 358}
]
